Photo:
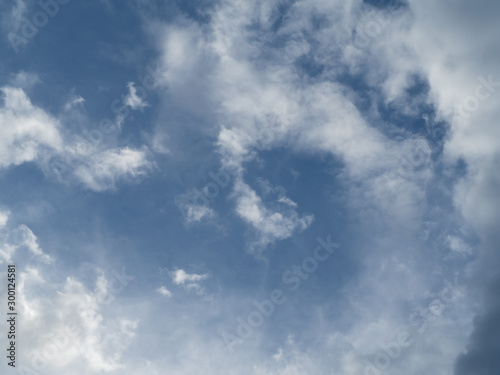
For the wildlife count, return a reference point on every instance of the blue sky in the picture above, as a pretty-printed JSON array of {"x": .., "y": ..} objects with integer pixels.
[{"x": 251, "y": 187}]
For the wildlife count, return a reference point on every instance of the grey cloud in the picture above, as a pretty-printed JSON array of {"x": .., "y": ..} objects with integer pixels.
[{"x": 482, "y": 355}]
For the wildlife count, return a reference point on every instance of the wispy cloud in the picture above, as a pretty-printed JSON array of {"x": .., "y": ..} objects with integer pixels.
[{"x": 132, "y": 99}]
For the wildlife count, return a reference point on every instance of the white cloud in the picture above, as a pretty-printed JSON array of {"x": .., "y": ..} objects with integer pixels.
[
  {"x": 101, "y": 170},
  {"x": 287, "y": 201},
  {"x": 99, "y": 341},
  {"x": 194, "y": 207},
  {"x": 458, "y": 245},
  {"x": 4, "y": 216},
  {"x": 31, "y": 242},
  {"x": 66, "y": 325},
  {"x": 271, "y": 225},
  {"x": 14, "y": 239},
  {"x": 262, "y": 103},
  {"x": 197, "y": 213},
  {"x": 30, "y": 134},
  {"x": 385, "y": 177},
  {"x": 164, "y": 291},
  {"x": 73, "y": 101},
  {"x": 180, "y": 277},
  {"x": 322, "y": 118},
  {"x": 16, "y": 16},
  {"x": 189, "y": 281},
  {"x": 132, "y": 99},
  {"x": 26, "y": 131},
  {"x": 24, "y": 80}
]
